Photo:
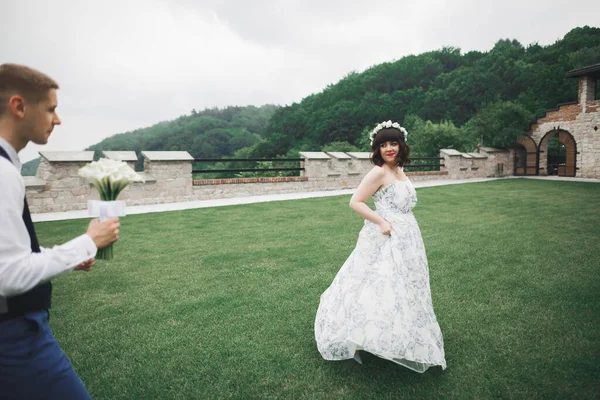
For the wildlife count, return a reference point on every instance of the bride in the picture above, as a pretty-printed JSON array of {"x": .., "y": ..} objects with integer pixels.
[{"x": 380, "y": 300}]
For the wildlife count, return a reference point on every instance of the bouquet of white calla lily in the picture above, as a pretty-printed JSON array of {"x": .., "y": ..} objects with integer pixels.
[{"x": 109, "y": 177}]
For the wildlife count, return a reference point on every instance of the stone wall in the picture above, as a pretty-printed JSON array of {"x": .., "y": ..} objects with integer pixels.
[
  {"x": 56, "y": 186},
  {"x": 168, "y": 179},
  {"x": 487, "y": 162},
  {"x": 206, "y": 189}
]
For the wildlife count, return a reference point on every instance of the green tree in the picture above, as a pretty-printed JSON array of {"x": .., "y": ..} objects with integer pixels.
[
  {"x": 427, "y": 138},
  {"x": 339, "y": 146},
  {"x": 499, "y": 124}
]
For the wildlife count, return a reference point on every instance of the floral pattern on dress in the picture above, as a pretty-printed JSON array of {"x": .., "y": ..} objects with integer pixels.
[{"x": 380, "y": 300}]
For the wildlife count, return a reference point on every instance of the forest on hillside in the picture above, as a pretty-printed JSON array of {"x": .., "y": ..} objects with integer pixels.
[
  {"x": 211, "y": 133},
  {"x": 446, "y": 99}
]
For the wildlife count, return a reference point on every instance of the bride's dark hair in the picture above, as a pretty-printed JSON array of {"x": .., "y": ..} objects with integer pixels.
[{"x": 390, "y": 135}]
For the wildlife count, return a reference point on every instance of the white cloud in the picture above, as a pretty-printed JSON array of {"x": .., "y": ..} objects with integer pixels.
[{"x": 131, "y": 63}]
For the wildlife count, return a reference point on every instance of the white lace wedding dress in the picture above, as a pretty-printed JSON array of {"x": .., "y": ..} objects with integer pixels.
[{"x": 380, "y": 300}]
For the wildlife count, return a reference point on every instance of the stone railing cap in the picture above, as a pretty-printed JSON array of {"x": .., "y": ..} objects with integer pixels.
[
  {"x": 167, "y": 155},
  {"x": 33, "y": 181},
  {"x": 121, "y": 155},
  {"x": 314, "y": 155},
  {"x": 361, "y": 155},
  {"x": 493, "y": 150},
  {"x": 451, "y": 152},
  {"x": 68, "y": 156},
  {"x": 339, "y": 155},
  {"x": 477, "y": 155}
]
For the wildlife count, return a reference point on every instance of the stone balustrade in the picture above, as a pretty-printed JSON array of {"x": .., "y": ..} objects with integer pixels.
[{"x": 168, "y": 177}]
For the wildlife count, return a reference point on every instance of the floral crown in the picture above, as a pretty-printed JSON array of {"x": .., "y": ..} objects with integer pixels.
[{"x": 385, "y": 125}]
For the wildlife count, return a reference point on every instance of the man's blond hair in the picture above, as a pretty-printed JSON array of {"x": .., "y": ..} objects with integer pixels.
[{"x": 29, "y": 83}]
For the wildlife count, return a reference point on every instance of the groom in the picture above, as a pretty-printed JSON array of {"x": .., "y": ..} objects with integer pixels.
[{"x": 32, "y": 365}]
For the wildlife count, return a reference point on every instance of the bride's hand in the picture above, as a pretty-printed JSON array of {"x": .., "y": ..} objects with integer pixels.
[{"x": 385, "y": 227}]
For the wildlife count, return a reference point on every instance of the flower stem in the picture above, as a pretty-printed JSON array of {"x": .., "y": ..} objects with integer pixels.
[{"x": 105, "y": 253}]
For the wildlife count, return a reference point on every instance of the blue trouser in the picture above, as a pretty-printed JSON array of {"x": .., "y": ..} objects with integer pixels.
[{"x": 32, "y": 365}]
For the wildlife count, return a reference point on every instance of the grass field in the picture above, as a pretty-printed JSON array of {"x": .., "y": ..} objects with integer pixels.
[{"x": 220, "y": 303}]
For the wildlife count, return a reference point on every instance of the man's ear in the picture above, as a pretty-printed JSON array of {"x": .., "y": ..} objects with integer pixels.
[{"x": 16, "y": 106}]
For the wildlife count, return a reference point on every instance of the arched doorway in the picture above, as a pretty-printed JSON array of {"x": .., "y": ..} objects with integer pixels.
[
  {"x": 558, "y": 153},
  {"x": 526, "y": 157}
]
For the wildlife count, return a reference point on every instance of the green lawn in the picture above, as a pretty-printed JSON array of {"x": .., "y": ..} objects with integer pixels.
[{"x": 220, "y": 302}]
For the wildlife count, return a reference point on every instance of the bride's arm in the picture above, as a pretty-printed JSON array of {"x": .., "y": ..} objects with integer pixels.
[{"x": 369, "y": 185}]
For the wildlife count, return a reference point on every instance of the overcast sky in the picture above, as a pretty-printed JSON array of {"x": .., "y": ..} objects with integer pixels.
[{"x": 127, "y": 64}]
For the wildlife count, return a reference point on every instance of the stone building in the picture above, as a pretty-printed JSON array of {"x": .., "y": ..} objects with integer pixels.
[{"x": 576, "y": 128}]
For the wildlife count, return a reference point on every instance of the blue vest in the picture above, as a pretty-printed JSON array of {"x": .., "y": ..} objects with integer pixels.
[{"x": 38, "y": 298}]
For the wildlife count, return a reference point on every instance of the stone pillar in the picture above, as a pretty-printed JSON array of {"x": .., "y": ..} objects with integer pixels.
[
  {"x": 128, "y": 156},
  {"x": 587, "y": 91},
  {"x": 335, "y": 170},
  {"x": 172, "y": 174},
  {"x": 480, "y": 165},
  {"x": 344, "y": 169},
  {"x": 361, "y": 163},
  {"x": 452, "y": 162},
  {"x": 316, "y": 168},
  {"x": 468, "y": 165},
  {"x": 500, "y": 161},
  {"x": 58, "y": 186}
]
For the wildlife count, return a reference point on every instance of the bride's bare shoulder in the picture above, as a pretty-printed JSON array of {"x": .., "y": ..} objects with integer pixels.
[
  {"x": 377, "y": 171},
  {"x": 375, "y": 175}
]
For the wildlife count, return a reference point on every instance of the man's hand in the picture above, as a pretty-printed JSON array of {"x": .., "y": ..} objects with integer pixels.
[
  {"x": 86, "y": 265},
  {"x": 104, "y": 233}
]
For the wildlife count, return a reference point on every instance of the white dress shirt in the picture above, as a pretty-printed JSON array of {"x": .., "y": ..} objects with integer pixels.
[{"x": 20, "y": 268}]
